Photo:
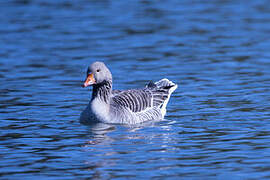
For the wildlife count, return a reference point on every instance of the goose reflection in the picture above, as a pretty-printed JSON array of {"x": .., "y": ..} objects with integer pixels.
[{"x": 99, "y": 132}]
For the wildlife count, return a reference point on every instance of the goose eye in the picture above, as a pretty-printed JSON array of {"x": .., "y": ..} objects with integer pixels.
[{"x": 98, "y": 70}]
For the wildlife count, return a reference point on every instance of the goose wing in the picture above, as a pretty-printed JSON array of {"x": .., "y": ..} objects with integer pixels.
[
  {"x": 154, "y": 95},
  {"x": 136, "y": 100}
]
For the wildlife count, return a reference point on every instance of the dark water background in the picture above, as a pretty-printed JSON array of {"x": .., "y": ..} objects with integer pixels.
[{"x": 217, "y": 123}]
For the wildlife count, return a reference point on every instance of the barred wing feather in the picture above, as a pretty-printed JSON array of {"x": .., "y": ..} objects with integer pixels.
[
  {"x": 154, "y": 95},
  {"x": 135, "y": 100}
]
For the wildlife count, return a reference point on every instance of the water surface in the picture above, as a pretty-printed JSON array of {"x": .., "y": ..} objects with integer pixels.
[{"x": 217, "y": 123}]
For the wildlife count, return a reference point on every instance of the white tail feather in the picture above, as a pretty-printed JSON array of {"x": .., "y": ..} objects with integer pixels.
[{"x": 164, "y": 83}]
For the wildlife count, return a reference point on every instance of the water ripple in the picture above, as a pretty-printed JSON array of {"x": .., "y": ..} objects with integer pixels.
[{"x": 217, "y": 120}]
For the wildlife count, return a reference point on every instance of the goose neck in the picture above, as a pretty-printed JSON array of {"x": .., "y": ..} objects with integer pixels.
[{"x": 102, "y": 91}]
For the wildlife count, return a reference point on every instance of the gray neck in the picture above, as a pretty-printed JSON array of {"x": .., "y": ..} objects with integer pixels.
[{"x": 102, "y": 91}]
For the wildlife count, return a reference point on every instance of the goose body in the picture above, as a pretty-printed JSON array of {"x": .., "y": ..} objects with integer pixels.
[{"x": 127, "y": 106}]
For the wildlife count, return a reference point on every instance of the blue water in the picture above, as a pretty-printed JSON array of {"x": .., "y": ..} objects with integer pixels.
[{"x": 217, "y": 123}]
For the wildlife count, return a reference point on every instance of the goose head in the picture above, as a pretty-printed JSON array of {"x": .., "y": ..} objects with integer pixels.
[{"x": 97, "y": 73}]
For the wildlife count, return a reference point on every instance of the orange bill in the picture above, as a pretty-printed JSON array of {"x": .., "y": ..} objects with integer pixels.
[{"x": 90, "y": 80}]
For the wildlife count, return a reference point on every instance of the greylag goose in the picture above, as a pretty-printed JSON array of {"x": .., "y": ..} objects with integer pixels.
[{"x": 126, "y": 106}]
